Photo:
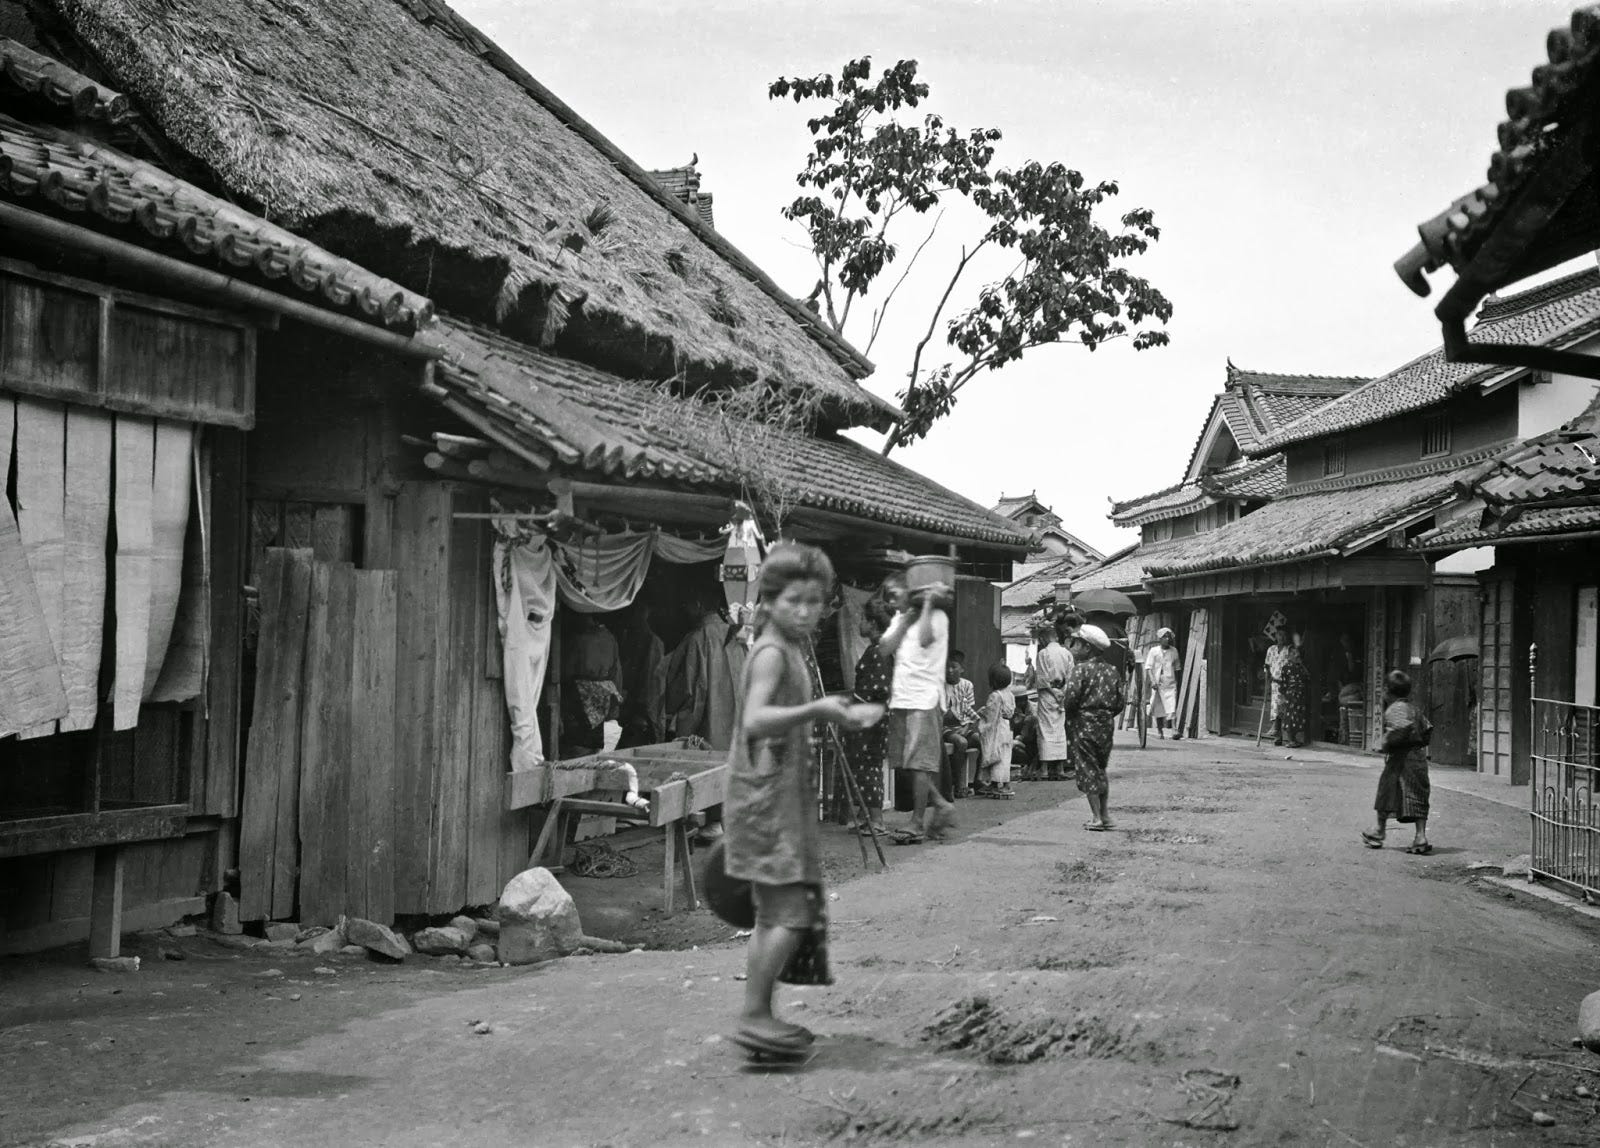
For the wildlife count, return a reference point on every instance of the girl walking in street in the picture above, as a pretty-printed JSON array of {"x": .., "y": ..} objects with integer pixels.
[
  {"x": 995, "y": 736},
  {"x": 1091, "y": 701},
  {"x": 1403, "y": 787},
  {"x": 770, "y": 814}
]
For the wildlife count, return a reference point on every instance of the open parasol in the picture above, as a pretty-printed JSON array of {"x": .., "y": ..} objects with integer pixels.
[{"x": 1104, "y": 602}]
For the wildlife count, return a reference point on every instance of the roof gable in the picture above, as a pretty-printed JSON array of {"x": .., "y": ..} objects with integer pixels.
[
  {"x": 1254, "y": 406},
  {"x": 395, "y": 133}
]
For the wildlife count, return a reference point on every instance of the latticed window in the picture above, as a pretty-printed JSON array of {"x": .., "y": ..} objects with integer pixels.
[
  {"x": 1333, "y": 458},
  {"x": 1435, "y": 435}
]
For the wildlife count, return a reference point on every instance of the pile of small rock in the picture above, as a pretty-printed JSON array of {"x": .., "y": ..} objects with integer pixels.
[{"x": 534, "y": 920}]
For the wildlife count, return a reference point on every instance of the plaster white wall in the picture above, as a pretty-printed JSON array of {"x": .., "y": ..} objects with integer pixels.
[
  {"x": 1543, "y": 407},
  {"x": 1471, "y": 561}
]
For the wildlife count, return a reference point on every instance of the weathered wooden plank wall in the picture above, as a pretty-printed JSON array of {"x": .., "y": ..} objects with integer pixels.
[
  {"x": 271, "y": 775},
  {"x": 456, "y": 844},
  {"x": 370, "y": 858},
  {"x": 224, "y": 671},
  {"x": 422, "y": 540},
  {"x": 325, "y": 762}
]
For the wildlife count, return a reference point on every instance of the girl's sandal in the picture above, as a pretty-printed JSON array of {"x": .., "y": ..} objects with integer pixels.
[
  {"x": 1108, "y": 825},
  {"x": 1420, "y": 850},
  {"x": 1094, "y": 826},
  {"x": 1372, "y": 840}
]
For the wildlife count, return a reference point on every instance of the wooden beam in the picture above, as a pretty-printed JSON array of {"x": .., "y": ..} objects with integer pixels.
[
  {"x": 105, "y": 912},
  {"x": 88, "y": 830}
]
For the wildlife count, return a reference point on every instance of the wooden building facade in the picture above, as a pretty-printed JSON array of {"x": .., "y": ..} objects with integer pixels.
[{"x": 348, "y": 747}]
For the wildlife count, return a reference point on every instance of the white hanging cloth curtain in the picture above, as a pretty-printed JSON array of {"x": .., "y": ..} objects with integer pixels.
[
  {"x": 598, "y": 575},
  {"x": 79, "y": 471}
]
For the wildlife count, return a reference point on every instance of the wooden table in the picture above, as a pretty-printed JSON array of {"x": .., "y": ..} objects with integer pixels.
[{"x": 589, "y": 787}]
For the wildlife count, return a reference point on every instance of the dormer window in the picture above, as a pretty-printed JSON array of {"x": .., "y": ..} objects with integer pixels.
[
  {"x": 1333, "y": 458},
  {"x": 1435, "y": 436}
]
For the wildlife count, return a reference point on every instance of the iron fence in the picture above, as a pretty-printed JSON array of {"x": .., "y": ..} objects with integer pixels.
[{"x": 1566, "y": 810}]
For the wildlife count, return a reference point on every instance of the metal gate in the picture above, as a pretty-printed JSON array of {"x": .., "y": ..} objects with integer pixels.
[{"x": 1566, "y": 811}]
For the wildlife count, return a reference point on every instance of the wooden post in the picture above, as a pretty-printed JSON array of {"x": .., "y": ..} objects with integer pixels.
[
  {"x": 552, "y": 687},
  {"x": 671, "y": 879},
  {"x": 105, "y": 909},
  {"x": 688, "y": 866}
]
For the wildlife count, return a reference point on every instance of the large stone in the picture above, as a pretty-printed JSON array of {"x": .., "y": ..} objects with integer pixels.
[
  {"x": 487, "y": 927},
  {"x": 375, "y": 938},
  {"x": 448, "y": 941},
  {"x": 283, "y": 931},
  {"x": 538, "y": 919},
  {"x": 1589, "y": 1022},
  {"x": 467, "y": 925},
  {"x": 483, "y": 953},
  {"x": 225, "y": 915}
]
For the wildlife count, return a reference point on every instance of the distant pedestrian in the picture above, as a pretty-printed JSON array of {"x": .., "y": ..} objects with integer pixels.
[
  {"x": 1161, "y": 666},
  {"x": 1403, "y": 787},
  {"x": 1048, "y": 677},
  {"x": 867, "y": 748},
  {"x": 1091, "y": 700},
  {"x": 772, "y": 834},
  {"x": 994, "y": 732}
]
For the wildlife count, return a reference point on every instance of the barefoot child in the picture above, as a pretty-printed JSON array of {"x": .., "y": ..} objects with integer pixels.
[
  {"x": 771, "y": 809},
  {"x": 994, "y": 733}
]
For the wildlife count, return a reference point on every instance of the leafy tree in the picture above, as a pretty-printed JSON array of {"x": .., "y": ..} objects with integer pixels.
[{"x": 869, "y": 171}]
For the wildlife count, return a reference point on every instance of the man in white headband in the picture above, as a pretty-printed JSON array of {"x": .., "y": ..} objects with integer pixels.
[{"x": 1161, "y": 667}]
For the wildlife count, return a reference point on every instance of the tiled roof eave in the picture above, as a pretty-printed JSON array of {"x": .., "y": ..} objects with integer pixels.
[
  {"x": 501, "y": 380},
  {"x": 1200, "y": 501},
  {"x": 48, "y": 168}
]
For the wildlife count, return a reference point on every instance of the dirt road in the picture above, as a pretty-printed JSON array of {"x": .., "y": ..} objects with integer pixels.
[{"x": 1229, "y": 967}]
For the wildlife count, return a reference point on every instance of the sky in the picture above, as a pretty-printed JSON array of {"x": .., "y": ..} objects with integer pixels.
[{"x": 1288, "y": 150}]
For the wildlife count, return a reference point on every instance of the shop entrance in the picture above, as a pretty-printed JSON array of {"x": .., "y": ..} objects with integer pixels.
[{"x": 1332, "y": 635}]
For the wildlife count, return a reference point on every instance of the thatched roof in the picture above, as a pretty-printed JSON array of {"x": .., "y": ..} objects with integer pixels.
[{"x": 393, "y": 133}]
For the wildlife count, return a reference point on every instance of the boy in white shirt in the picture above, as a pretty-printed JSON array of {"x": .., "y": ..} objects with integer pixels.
[{"x": 919, "y": 640}]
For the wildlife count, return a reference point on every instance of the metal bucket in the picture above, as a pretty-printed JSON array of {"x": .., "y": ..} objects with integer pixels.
[{"x": 930, "y": 570}]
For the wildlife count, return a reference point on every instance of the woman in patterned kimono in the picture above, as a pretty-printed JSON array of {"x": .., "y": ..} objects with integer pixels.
[
  {"x": 866, "y": 748},
  {"x": 1092, "y": 699},
  {"x": 1403, "y": 787},
  {"x": 1049, "y": 676},
  {"x": 1294, "y": 685}
]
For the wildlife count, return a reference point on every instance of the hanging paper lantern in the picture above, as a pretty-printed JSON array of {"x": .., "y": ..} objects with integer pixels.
[{"x": 741, "y": 564}]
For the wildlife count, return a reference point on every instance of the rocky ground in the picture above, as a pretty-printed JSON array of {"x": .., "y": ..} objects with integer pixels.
[{"x": 1229, "y": 967}]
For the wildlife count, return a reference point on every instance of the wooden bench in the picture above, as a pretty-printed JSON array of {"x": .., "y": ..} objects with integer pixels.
[
  {"x": 106, "y": 832},
  {"x": 573, "y": 789}
]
